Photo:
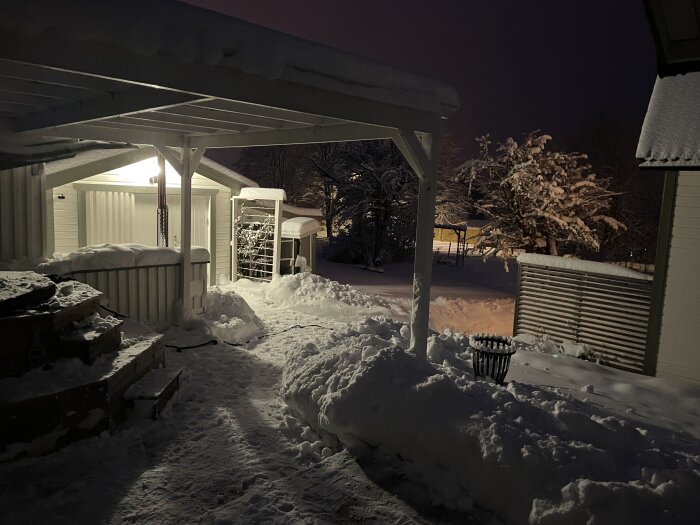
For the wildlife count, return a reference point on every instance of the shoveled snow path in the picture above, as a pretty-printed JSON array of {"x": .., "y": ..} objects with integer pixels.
[{"x": 221, "y": 457}]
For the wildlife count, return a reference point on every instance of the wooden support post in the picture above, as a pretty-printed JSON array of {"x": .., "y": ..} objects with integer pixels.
[
  {"x": 278, "y": 239},
  {"x": 235, "y": 213},
  {"x": 189, "y": 161},
  {"x": 186, "y": 226},
  {"x": 423, "y": 262}
]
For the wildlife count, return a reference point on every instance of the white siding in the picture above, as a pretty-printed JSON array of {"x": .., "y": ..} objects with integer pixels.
[
  {"x": 223, "y": 234},
  {"x": 679, "y": 344},
  {"x": 22, "y": 213},
  {"x": 65, "y": 215}
]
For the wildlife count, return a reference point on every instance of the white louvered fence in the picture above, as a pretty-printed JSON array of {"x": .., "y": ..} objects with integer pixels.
[{"x": 608, "y": 313}]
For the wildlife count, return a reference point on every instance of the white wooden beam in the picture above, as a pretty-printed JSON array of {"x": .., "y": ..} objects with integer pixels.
[
  {"x": 174, "y": 158},
  {"x": 423, "y": 260},
  {"x": 120, "y": 103},
  {"x": 58, "y": 52},
  {"x": 307, "y": 135},
  {"x": 97, "y": 131},
  {"x": 76, "y": 173},
  {"x": 410, "y": 146}
]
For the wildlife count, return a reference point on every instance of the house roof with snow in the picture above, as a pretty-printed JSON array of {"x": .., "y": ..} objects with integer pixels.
[
  {"x": 671, "y": 133},
  {"x": 93, "y": 162}
]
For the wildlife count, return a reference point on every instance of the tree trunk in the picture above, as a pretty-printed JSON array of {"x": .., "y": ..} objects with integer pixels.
[{"x": 552, "y": 243}]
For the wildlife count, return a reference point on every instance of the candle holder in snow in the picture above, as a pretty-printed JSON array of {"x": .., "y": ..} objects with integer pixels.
[{"x": 491, "y": 355}]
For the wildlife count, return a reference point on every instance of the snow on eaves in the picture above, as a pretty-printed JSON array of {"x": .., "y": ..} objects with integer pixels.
[
  {"x": 671, "y": 133},
  {"x": 566, "y": 263},
  {"x": 194, "y": 35}
]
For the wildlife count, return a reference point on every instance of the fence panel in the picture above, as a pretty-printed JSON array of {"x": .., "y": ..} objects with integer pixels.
[
  {"x": 608, "y": 313},
  {"x": 147, "y": 294}
]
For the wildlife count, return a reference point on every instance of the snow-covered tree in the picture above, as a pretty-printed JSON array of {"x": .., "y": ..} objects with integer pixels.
[
  {"x": 538, "y": 200},
  {"x": 378, "y": 199}
]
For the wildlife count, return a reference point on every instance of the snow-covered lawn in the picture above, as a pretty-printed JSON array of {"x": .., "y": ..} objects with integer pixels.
[{"x": 565, "y": 441}]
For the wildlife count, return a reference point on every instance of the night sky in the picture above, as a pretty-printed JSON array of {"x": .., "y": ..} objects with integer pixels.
[{"x": 518, "y": 65}]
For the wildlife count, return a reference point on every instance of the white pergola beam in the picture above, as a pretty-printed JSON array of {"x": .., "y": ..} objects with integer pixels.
[
  {"x": 121, "y": 103},
  {"x": 58, "y": 52},
  {"x": 99, "y": 131},
  {"x": 413, "y": 151},
  {"x": 307, "y": 135},
  {"x": 173, "y": 158}
]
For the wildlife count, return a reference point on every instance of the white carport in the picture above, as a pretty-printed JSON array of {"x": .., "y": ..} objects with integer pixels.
[{"x": 183, "y": 79}]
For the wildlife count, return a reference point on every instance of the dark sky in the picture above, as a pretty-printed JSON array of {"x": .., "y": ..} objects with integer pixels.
[{"x": 517, "y": 65}]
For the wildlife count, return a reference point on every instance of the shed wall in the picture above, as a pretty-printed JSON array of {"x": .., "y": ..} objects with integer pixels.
[
  {"x": 23, "y": 229},
  {"x": 679, "y": 343},
  {"x": 66, "y": 216}
]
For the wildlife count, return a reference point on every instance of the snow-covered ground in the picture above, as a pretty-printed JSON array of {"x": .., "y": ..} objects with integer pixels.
[
  {"x": 373, "y": 434},
  {"x": 476, "y": 297}
]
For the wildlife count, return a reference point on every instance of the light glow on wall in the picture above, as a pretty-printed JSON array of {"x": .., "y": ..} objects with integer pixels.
[{"x": 140, "y": 173}]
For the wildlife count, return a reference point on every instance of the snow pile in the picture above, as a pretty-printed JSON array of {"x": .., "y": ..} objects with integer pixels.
[
  {"x": 91, "y": 327},
  {"x": 530, "y": 453},
  {"x": 313, "y": 293},
  {"x": 107, "y": 256},
  {"x": 229, "y": 317}
]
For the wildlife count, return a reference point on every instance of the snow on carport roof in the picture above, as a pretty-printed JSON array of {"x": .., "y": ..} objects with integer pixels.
[
  {"x": 194, "y": 35},
  {"x": 671, "y": 133}
]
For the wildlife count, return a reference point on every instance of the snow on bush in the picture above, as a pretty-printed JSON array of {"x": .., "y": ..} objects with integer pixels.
[
  {"x": 530, "y": 454},
  {"x": 229, "y": 317},
  {"x": 308, "y": 291}
]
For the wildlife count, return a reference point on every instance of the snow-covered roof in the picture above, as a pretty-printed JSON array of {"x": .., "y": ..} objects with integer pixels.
[
  {"x": 566, "y": 263},
  {"x": 671, "y": 133},
  {"x": 104, "y": 160},
  {"x": 193, "y": 35},
  {"x": 298, "y": 227},
  {"x": 270, "y": 194}
]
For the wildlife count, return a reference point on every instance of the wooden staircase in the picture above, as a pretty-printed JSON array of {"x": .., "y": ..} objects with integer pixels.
[{"x": 64, "y": 369}]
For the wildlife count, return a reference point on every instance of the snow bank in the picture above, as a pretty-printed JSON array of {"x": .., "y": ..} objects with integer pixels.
[
  {"x": 566, "y": 263},
  {"x": 107, "y": 256},
  {"x": 229, "y": 317},
  {"x": 529, "y": 453},
  {"x": 315, "y": 294}
]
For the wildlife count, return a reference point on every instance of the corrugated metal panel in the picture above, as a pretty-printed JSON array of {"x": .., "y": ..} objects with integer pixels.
[
  {"x": 608, "y": 313},
  {"x": 22, "y": 212},
  {"x": 147, "y": 294}
]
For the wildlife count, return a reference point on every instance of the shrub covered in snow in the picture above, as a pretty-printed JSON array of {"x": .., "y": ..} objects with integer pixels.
[{"x": 529, "y": 453}]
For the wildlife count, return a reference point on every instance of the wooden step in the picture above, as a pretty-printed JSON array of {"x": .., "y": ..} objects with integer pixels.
[
  {"x": 45, "y": 409},
  {"x": 89, "y": 342},
  {"x": 150, "y": 395},
  {"x": 30, "y": 338},
  {"x": 22, "y": 290}
]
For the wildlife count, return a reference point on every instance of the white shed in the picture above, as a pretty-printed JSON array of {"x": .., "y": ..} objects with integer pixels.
[{"x": 109, "y": 196}]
